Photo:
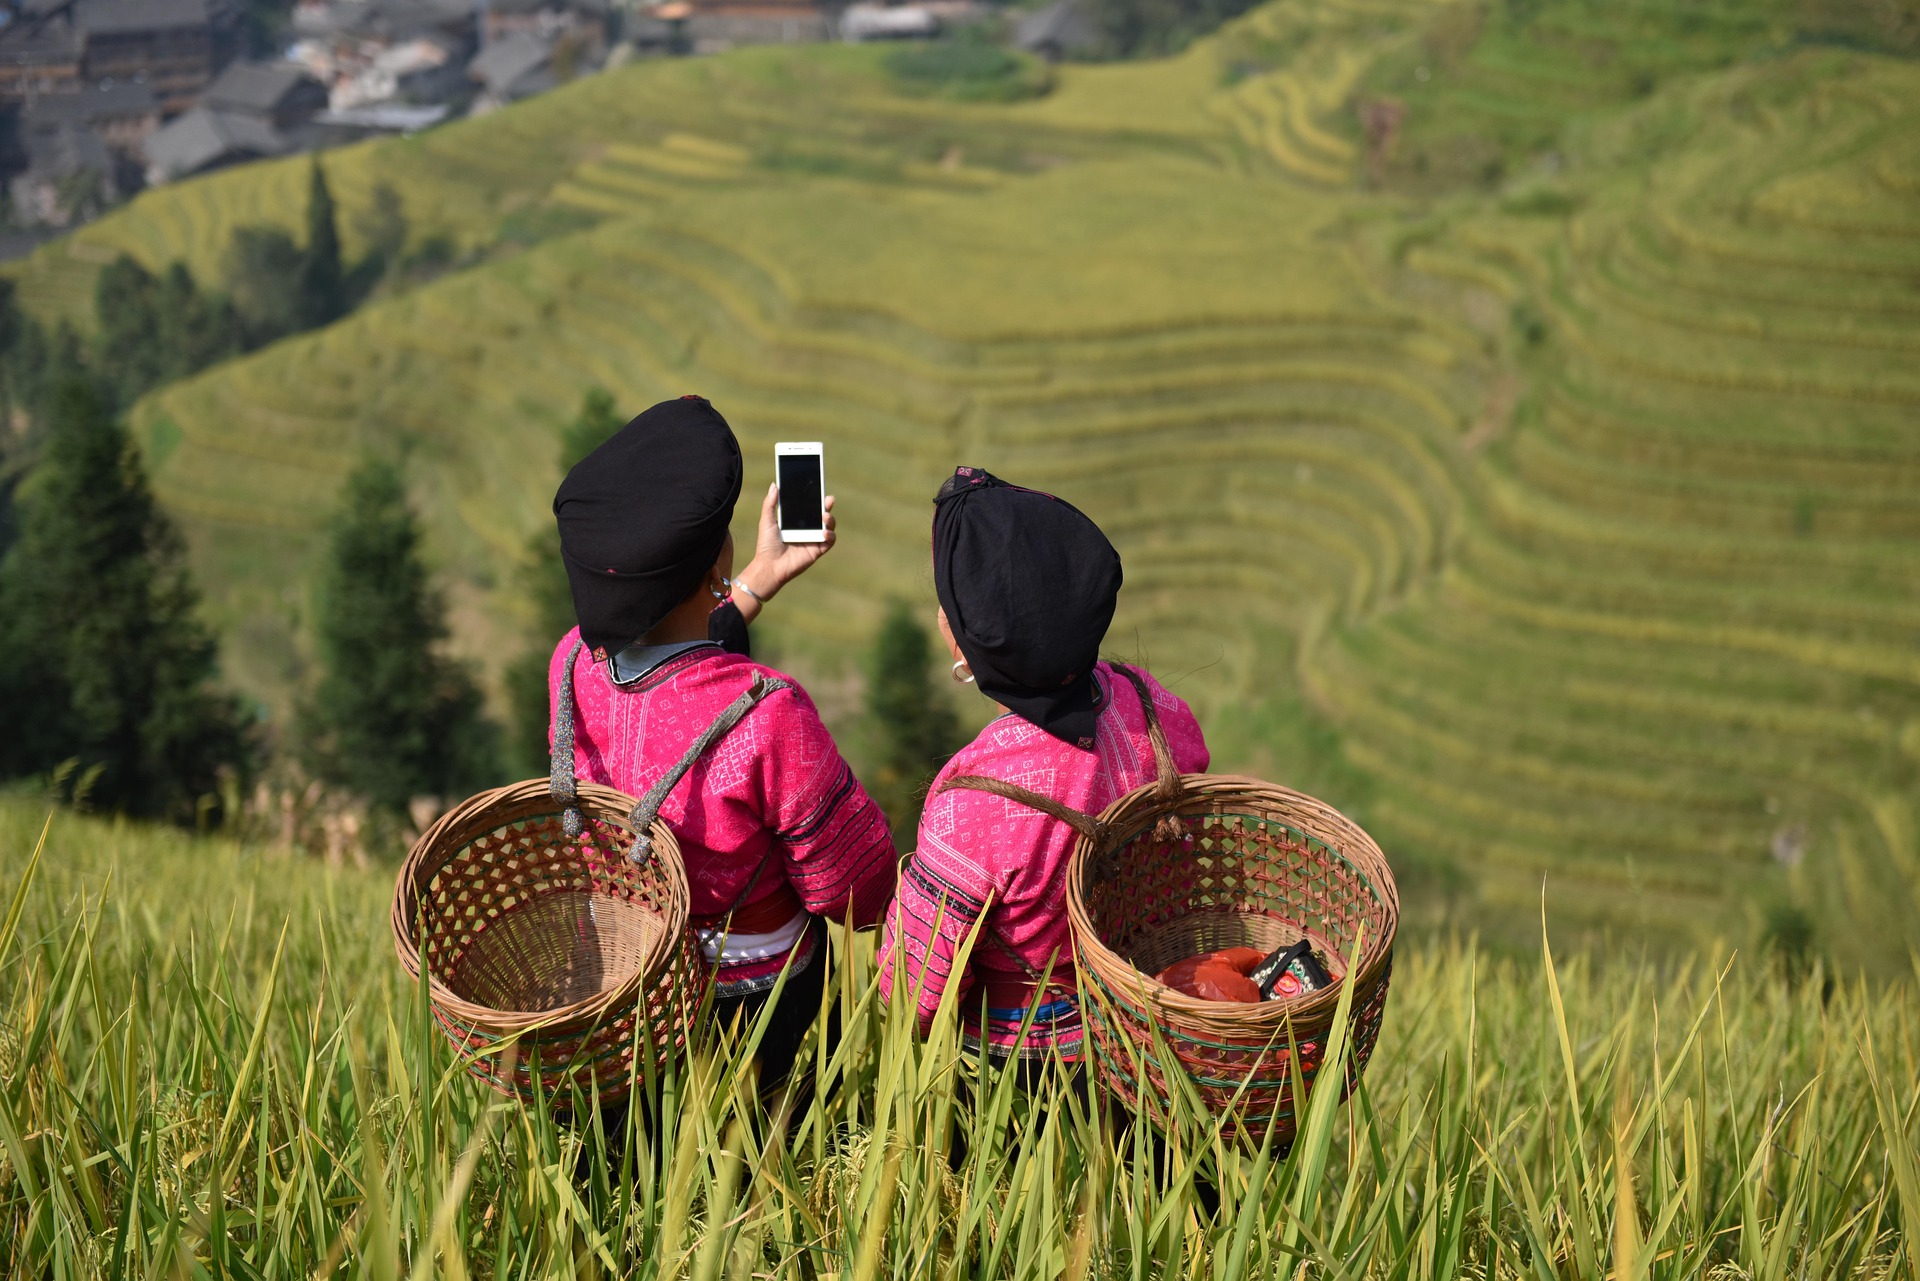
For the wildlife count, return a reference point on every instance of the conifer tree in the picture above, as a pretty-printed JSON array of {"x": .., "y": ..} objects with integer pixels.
[
  {"x": 265, "y": 275},
  {"x": 544, "y": 581},
  {"x": 392, "y": 716},
  {"x": 322, "y": 277},
  {"x": 154, "y": 329},
  {"x": 914, "y": 730},
  {"x": 102, "y": 660}
]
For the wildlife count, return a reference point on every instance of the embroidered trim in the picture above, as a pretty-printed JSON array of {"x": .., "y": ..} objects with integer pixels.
[{"x": 747, "y": 987}]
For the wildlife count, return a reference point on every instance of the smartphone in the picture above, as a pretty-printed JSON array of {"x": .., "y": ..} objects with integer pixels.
[{"x": 803, "y": 491}]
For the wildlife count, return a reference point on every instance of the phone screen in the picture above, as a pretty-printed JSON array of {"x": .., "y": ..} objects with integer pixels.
[{"x": 800, "y": 496}]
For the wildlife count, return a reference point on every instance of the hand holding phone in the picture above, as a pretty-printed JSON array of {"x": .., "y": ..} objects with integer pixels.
[
  {"x": 800, "y": 473},
  {"x": 778, "y": 556}
]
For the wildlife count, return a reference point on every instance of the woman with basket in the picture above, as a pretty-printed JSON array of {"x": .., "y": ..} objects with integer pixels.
[
  {"x": 660, "y": 698},
  {"x": 1027, "y": 588}
]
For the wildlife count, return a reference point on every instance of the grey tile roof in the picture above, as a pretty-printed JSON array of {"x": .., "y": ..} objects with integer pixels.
[
  {"x": 1061, "y": 25},
  {"x": 40, "y": 35},
  {"x": 89, "y": 106},
  {"x": 507, "y": 61},
  {"x": 56, "y": 151},
  {"x": 140, "y": 15},
  {"x": 254, "y": 86},
  {"x": 203, "y": 136},
  {"x": 397, "y": 19}
]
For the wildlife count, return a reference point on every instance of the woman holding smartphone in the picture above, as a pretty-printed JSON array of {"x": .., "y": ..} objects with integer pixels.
[
  {"x": 1027, "y": 588},
  {"x": 776, "y": 832}
]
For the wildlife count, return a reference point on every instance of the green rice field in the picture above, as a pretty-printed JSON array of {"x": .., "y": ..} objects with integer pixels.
[
  {"x": 1543, "y": 488},
  {"x": 211, "y": 1065}
]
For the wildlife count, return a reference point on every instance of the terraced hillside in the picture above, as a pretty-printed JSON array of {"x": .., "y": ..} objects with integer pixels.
[
  {"x": 1556, "y": 525},
  {"x": 1681, "y": 636}
]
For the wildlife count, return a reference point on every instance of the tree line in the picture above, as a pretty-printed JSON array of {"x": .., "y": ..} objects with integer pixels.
[
  {"x": 105, "y": 668},
  {"x": 111, "y": 679}
]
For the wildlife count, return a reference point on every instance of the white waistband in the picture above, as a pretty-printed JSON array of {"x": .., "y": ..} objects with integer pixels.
[{"x": 740, "y": 948}]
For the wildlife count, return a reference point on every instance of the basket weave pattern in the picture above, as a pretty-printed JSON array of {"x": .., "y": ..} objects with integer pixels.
[
  {"x": 1242, "y": 863},
  {"x": 547, "y": 949}
]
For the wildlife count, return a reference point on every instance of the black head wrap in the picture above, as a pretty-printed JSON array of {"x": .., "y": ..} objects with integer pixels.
[
  {"x": 1029, "y": 585},
  {"x": 643, "y": 517}
]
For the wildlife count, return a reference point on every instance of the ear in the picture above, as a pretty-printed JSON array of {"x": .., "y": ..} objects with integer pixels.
[{"x": 946, "y": 634}]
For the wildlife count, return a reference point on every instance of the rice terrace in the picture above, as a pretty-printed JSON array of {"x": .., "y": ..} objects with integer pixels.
[{"x": 1508, "y": 415}]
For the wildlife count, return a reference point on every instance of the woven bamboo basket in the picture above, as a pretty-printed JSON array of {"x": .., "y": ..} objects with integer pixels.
[
  {"x": 548, "y": 955},
  {"x": 1195, "y": 862}
]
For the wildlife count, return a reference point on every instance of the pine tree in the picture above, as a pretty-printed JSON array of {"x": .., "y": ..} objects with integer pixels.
[
  {"x": 544, "y": 581},
  {"x": 914, "y": 729},
  {"x": 392, "y": 717},
  {"x": 322, "y": 277},
  {"x": 154, "y": 329},
  {"x": 264, "y": 271},
  {"x": 104, "y": 660},
  {"x": 382, "y": 227}
]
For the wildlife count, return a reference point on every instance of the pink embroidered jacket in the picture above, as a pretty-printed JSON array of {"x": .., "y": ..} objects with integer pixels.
[
  {"x": 982, "y": 855},
  {"x": 773, "y": 795}
]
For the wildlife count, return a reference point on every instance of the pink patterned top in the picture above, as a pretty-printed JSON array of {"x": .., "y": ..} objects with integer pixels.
[
  {"x": 773, "y": 795},
  {"x": 982, "y": 855}
]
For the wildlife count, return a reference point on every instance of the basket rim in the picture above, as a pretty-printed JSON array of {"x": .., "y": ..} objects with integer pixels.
[
  {"x": 1124, "y": 819},
  {"x": 517, "y": 802}
]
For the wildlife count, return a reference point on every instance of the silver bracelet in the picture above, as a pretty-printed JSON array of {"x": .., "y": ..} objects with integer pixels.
[{"x": 749, "y": 591}]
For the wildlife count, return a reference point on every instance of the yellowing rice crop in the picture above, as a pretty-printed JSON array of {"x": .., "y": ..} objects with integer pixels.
[
  {"x": 213, "y": 1066},
  {"x": 1560, "y": 528}
]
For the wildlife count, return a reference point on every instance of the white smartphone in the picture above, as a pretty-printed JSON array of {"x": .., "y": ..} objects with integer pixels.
[{"x": 802, "y": 476}]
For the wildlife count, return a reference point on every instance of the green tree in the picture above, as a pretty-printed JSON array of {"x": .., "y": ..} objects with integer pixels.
[
  {"x": 1145, "y": 28},
  {"x": 392, "y": 716},
  {"x": 154, "y": 329},
  {"x": 382, "y": 227},
  {"x": 280, "y": 287},
  {"x": 544, "y": 581},
  {"x": 102, "y": 660},
  {"x": 323, "y": 294},
  {"x": 263, "y": 270},
  {"x": 1889, "y": 26},
  {"x": 913, "y": 729}
]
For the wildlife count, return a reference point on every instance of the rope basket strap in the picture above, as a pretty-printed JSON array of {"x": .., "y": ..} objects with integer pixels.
[
  {"x": 564, "y": 789},
  {"x": 1166, "y": 785},
  {"x": 1166, "y": 788},
  {"x": 1085, "y": 824},
  {"x": 560, "y": 782},
  {"x": 648, "y": 809}
]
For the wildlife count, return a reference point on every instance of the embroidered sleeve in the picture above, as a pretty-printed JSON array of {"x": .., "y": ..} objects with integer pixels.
[
  {"x": 838, "y": 851},
  {"x": 935, "y": 907}
]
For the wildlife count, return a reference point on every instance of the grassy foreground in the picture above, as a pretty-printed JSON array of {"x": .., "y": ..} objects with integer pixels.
[
  {"x": 1540, "y": 486},
  {"x": 212, "y": 1067}
]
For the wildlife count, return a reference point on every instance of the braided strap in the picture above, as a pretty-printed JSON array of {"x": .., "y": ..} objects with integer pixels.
[
  {"x": 1166, "y": 785},
  {"x": 644, "y": 813},
  {"x": 1166, "y": 788},
  {"x": 1085, "y": 824},
  {"x": 560, "y": 782},
  {"x": 1166, "y": 772}
]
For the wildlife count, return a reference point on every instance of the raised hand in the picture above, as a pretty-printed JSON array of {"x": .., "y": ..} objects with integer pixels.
[{"x": 777, "y": 562}]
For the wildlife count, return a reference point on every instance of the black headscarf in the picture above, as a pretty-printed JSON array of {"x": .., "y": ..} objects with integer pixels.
[
  {"x": 643, "y": 517},
  {"x": 1029, "y": 585}
]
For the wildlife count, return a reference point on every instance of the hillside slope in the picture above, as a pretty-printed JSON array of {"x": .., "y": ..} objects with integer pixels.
[{"x": 1560, "y": 524}]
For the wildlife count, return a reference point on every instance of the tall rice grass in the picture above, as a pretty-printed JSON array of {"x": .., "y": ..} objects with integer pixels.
[{"x": 213, "y": 1067}]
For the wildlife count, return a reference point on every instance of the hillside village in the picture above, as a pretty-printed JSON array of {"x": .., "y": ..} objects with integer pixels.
[{"x": 102, "y": 98}]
